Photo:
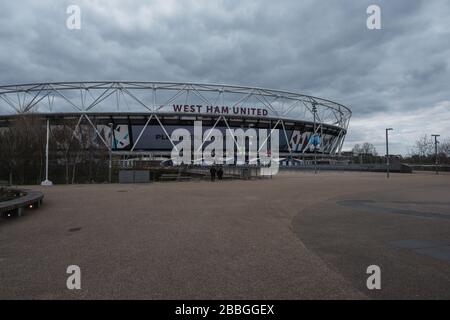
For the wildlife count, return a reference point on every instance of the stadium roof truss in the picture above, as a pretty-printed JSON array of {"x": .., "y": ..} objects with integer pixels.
[{"x": 154, "y": 99}]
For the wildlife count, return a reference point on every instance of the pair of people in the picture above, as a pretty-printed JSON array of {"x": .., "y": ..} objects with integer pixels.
[{"x": 219, "y": 172}]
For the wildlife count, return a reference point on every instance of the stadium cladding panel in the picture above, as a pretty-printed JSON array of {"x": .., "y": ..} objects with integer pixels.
[{"x": 144, "y": 114}]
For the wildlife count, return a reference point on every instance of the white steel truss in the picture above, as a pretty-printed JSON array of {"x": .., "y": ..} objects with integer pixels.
[{"x": 155, "y": 99}]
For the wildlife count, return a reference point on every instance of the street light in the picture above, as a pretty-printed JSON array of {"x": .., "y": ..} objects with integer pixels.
[
  {"x": 111, "y": 132},
  {"x": 314, "y": 110},
  {"x": 46, "y": 182},
  {"x": 435, "y": 150},
  {"x": 387, "y": 151}
]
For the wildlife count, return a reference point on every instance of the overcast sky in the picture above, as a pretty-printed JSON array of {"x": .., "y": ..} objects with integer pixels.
[{"x": 397, "y": 77}]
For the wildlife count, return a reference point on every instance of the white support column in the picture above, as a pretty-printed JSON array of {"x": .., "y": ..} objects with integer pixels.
[
  {"x": 47, "y": 182},
  {"x": 142, "y": 132}
]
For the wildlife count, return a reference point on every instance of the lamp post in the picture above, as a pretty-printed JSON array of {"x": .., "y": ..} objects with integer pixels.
[
  {"x": 314, "y": 110},
  {"x": 387, "y": 151},
  {"x": 436, "y": 151},
  {"x": 111, "y": 132},
  {"x": 46, "y": 182}
]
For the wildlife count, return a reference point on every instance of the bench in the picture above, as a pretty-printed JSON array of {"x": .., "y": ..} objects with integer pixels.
[{"x": 31, "y": 199}]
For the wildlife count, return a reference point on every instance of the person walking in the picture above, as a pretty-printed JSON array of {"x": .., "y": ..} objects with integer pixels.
[
  {"x": 213, "y": 172},
  {"x": 220, "y": 173}
]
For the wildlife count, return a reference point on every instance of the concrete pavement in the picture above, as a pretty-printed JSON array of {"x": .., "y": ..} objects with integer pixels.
[{"x": 296, "y": 236}]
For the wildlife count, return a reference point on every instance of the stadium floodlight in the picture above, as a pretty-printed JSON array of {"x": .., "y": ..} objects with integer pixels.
[
  {"x": 387, "y": 151},
  {"x": 436, "y": 151},
  {"x": 111, "y": 132},
  {"x": 314, "y": 110}
]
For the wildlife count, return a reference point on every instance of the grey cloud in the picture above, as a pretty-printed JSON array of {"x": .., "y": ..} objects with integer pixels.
[{"x": 321, "y": 48}]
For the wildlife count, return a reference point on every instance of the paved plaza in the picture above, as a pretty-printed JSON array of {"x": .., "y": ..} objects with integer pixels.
[{"x": 296, "y": 236}]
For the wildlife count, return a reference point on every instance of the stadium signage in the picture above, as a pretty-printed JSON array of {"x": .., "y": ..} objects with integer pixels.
[{"x": 224, "y": 110}]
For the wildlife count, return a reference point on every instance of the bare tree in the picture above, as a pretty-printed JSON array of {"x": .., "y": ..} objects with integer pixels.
[
  {"x": 365, "y": 152},
  {"x": 22, "y": 149},
  {"x": 424, "y": 146},
  {"x": 444, "y": 147},
  {"x": 365, "y": 149},
  {"x": 77, "y": 154},
  {"x": 66, "y": 146}
]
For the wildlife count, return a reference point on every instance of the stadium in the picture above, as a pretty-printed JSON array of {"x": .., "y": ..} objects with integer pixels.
[{"x": 143, "y": 115}]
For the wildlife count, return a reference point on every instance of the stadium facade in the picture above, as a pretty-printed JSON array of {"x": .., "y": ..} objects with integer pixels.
[{"x": 143, "y": 115}]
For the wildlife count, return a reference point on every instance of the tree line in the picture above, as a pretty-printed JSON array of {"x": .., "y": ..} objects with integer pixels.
[
  {"x": 73, "y": 156},
  {"x": 423, "y": 152}
]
